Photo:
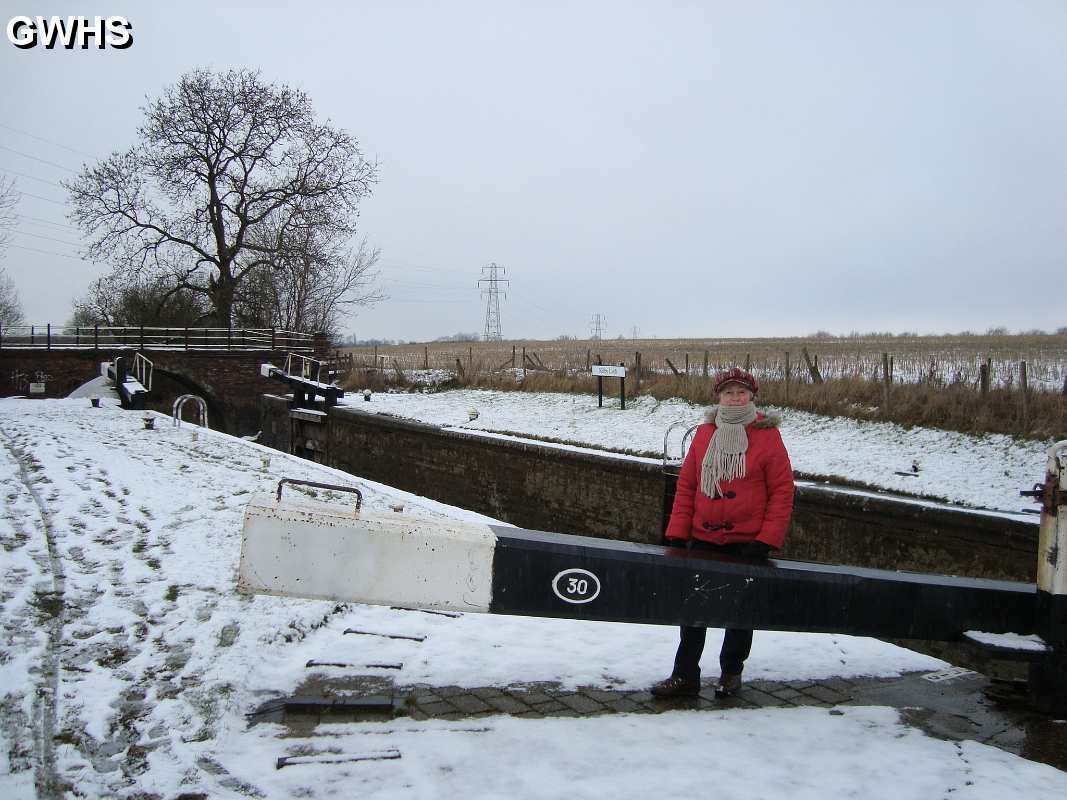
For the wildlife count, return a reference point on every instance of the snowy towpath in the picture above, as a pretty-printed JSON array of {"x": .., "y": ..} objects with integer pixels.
[{"x": 128, "y": 663}]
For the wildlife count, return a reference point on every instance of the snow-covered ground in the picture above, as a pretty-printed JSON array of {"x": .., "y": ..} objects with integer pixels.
[
  {"x": 980, "y": 471},
  {"x": 128, "y": 661}
]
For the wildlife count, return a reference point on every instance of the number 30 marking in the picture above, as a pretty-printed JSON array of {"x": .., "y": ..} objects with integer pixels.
[{"x": 576, "y": 586}]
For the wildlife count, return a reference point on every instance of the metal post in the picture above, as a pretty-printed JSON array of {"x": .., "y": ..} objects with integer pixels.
[
  {"x": 142, "y": 336},
  {"x": 1048, "y": 677},
  {"x": 229, "y": 335},
  {"x": 48, "y": 337},
  {"x": 186, "y": 337},
  {"x": 273, "y": 332},
  {"x": 622, "y": 387},
  {"x": 96, "y": 338},
  {"x": 599, "y": 386},
  {"x": 77, "y": 337},
  {"x": 31, "y": 336}
]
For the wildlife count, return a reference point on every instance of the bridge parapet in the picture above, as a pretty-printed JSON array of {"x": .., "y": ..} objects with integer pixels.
[{"x": 144, "y": 337}]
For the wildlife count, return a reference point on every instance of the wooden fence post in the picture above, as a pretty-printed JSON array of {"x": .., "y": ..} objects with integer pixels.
[
  {"x": 426, "y": 357},
  {"x": 1025, "y": 388},
  {"x": 813, "y": 367},
  {"x": 637, "y": 369},
  {"x": 748, "y": 362},
  {"x": 886, "y": 379},
  {"x": 983, "y": 379},
  {"x": 787, "y": 376},
  {"x": 705, "y": 363},
  {"x": 48, "y": 341}
]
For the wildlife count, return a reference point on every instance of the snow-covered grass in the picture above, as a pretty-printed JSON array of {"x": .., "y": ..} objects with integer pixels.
[
  {"x": 158, "y": 659},
  {"x": 980, "y": 471}
]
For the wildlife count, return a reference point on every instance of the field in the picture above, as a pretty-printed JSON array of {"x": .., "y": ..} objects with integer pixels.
[{"x": 932, "y": 380}]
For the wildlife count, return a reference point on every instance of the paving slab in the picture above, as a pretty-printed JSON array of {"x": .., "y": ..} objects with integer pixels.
[{"x": 950, "y": 704}]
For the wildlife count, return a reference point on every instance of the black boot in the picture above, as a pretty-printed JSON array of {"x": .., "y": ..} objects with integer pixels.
[
  {"x": 675, "y": 686},
  {"x": 729, "y": 684}
]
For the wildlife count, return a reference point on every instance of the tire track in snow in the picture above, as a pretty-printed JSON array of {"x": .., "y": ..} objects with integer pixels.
[{"x": 46, "y": 693}]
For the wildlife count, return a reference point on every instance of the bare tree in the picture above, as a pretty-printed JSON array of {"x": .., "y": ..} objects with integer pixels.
[
  {"x": 9, "y": 198},
  {"x": 225, "y": 169},
  {"x": 114, "y": 299},
  {"x": 10, "y": 304},
  {"x": 313, "y": 279}
]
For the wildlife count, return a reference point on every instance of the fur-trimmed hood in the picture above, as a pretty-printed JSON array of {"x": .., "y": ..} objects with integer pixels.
[{"x": 765, "y": 421}]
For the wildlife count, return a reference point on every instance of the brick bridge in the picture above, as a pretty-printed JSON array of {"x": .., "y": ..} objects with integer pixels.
[{"x": 223, "y": 368}]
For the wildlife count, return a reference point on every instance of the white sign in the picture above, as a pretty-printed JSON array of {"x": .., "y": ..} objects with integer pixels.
[
  {"x": 608, "y": 371},
  {"x": 36, "y": 388},
  {"x": 576, "y": 586}
]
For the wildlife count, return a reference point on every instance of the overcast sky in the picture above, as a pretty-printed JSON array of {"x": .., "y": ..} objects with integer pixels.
[{"x": 680, "y": 168}]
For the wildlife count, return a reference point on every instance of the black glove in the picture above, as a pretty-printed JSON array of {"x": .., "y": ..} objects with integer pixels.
[{"x": 754, "y": 549}]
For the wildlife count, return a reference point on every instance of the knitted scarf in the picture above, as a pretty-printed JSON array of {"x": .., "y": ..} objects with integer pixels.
[{"x": 725, "y": 457}]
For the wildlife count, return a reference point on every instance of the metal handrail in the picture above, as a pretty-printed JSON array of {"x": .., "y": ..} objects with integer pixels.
[
  {"x": 305, "y": 365},
  {"x": 142, "y": 370},
  {"x": 179, "y": 403},
  {"x": 686, "y": 438}
]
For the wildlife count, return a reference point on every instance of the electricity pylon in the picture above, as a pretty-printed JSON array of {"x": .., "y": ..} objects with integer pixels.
[{"x": 492, "y": 293}]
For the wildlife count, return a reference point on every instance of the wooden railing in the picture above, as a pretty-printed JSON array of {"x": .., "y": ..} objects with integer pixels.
[{"x": 144, "y": 337}]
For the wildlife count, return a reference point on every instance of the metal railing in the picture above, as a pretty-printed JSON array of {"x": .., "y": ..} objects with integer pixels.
[
  {"x": 303, "y": 367},
  {"x": 198, "y": 402},
  {"x": 142, "y": 370},
  {"x": 145, "y": 337}
]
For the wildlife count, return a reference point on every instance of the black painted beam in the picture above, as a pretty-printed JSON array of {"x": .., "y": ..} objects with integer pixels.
[{"x": 555, "y": 575}]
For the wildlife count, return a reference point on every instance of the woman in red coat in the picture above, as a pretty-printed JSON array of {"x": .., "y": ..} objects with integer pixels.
[{"x": 734, "y": 496}]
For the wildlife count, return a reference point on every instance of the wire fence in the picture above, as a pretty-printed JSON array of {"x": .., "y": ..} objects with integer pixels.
[{"x": 936, "y": 364}]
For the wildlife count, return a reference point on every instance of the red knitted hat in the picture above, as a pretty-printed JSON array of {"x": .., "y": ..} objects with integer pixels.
[{"x": 738, "y": 376}]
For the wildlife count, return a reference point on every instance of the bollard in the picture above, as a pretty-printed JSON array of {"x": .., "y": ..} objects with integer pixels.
[
  {"x": 366, "y": 395},
  {"x": 1048, "y": 677},
  {"x": 149, "y": 422}
]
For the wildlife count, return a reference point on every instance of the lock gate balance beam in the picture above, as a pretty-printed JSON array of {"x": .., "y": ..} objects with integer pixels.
[{"x": 303, "y": 548}]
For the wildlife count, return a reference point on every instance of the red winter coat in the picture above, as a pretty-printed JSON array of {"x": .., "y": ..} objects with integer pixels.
[{"x": 756, "y": 506}]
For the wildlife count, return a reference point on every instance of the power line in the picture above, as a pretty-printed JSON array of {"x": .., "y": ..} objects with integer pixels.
[
  {"x": 35, "y": 158},
  {"x": 49, "y": 238},
  {"x": 42, "y": 221},
  {"x": 492, "y": 301},
  {"x": 47, "y": 141},
  {"x": 420, "y": 267},
  {"x": 46, "y": 199},
  {"x": 49, "y": 253},
  {"x": 31, "y": 177}
]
